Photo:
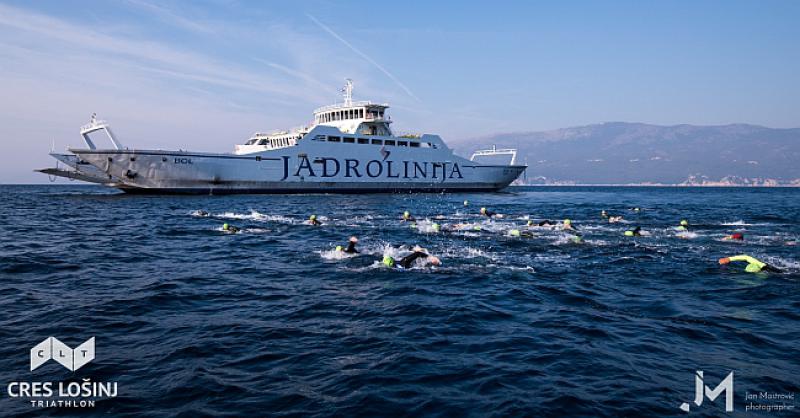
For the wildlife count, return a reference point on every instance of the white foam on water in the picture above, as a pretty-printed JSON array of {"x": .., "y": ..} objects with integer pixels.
[
  {"x": 686, "y": 235},
  {"x": 467, "y": 252},
  {"x": 604, "y": 228},
  {"x": 783, "y": 263},
  {"x": 233, "y": 215},
  {"x": 425, "y": 226},
  {"x": 565, "y": 239},
  {"x": 598, "y": 242},
  {"x": 335, "y": 255},
  {"x": 199, "y": 213},
  {"x": 735, "y": 223},
  {"x": 255, "y": 230}
]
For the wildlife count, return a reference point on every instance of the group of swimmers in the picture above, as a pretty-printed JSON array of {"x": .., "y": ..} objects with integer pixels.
[
  {"x": 418, "y": 257},
  {"x": 421, "y": 257}
]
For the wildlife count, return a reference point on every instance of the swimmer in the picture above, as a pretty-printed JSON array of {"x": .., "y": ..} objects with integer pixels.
[
  {"x": 753, "y": 265},
  {"x": 407, "y": 217},
  {"x": 312, "y": 220},
  {"x": 614, "y": 219},
  {"x": 408, "y": 261},
  {"x": 466, "y": 203},
  {"x": 734, "y": 237},
  {"x": 230, "y": 228},
  {"x": 635, "y": 232},
  {"x": 488, "y": 213},
  {"x": 202, "y": 213},
  {"x": 351, "y": 246},
  {"x": 636, "y": 209},
  {"x": 684, "y": 226},
  {"x": 567, "y": 225},
  {"x": 604, "y": 214},
  {"x": 517, "y": 233},
  {"x": 545, "y": 222}
]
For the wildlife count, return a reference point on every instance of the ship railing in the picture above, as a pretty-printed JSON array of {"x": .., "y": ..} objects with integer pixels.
[
  {"x": 494, "y": 151},
  {"x": 347, "y": 105}
]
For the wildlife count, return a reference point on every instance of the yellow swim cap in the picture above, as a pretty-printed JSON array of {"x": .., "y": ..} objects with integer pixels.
[
  {"x": 466, "y": 202},
  {"x": 388, "y": 261},
  {"x": 567, "y": 222},
  {"x": 435, "y": 227},
  {"x": 514, "y": 232},
  {"x": 684, "y": 222},
  {"x": 483, "y": 210},
  {"x": 628, "y": 233},
  {"x": 312, "y": 217},
  {"x": 406, "y": 214},
  {"x": 224, "y": 226},
  {"x": 339, "y": 248}
]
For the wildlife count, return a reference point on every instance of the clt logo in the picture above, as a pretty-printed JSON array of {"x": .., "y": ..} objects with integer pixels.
[
  {"x": 701, "y": 391},
  {"x": 52, "y": 348}
]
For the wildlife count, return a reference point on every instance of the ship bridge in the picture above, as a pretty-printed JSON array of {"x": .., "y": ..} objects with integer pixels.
[{"x": 363, "y": 117}]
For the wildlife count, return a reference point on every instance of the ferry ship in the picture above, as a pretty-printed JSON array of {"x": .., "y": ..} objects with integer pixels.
[{"x": 349, "y": 148}]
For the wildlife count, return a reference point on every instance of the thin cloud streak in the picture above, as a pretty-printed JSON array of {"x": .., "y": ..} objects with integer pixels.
[
  {"x": 169, "y": 16},
  {"x": 157, "y": 56},
  {"x": 363, "y": 55}
]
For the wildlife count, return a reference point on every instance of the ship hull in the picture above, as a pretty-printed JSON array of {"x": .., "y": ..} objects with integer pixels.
[{"x": 297, "y": 171}]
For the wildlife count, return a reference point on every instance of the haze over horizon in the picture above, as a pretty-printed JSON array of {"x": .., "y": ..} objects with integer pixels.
[{"x": 206, "y": 76}]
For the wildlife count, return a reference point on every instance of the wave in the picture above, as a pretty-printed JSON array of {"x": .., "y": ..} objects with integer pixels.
[{"x": 736, "y": 223}]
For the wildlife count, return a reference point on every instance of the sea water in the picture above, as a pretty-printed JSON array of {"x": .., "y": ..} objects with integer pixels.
[{"x": 190, "y": 320}]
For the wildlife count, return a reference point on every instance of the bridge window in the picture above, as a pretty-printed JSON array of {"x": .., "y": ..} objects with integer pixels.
[
  {"x": 377, "y": 142},
  {"x": 348, "y": 140},
  {"x": 402, "y": 143},
  {"x": 363, "y": 141},
  {"x": 414, "y": 144},
  {"x": 389, "y": 142},
  {"x": 333, "y": 139}
]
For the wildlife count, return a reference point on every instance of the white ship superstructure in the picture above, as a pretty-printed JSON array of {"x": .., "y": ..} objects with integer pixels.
[{"x": 349, "y": 147}]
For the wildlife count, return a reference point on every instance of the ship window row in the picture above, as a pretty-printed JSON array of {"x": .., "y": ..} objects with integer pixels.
[
  {"x": 277, "y": 142},
  {"x": 373, "y": 141},
  {"x": 349, "y": 114}
]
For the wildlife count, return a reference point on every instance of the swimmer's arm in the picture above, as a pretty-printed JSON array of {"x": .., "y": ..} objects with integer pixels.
[
  {"x": 408, "y": 260},
  {"x": 748, "y": 259}
]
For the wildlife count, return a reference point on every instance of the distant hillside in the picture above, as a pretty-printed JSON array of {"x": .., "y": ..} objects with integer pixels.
[{"x": 624, "y": 153}]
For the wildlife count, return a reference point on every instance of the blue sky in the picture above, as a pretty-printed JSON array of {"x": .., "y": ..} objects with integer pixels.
[{"x": 206, "y": 75}]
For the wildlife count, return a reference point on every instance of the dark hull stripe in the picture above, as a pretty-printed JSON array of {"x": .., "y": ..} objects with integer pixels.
[{"x": 222, "y": 191}]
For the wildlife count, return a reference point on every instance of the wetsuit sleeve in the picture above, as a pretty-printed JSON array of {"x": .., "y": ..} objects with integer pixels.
[
  {"x": 409, "y": 260},
  {"x": 351, "y": 248},
  {"x": 748, "y": 259},
  {"x": 771, "y": 269}
]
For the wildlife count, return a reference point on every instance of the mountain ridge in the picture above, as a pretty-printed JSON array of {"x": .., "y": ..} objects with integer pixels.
[{"x": 640, "y": 153}]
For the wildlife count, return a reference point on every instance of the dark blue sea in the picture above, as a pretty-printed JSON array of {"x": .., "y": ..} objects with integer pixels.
[{"x": 272, "y": 321}]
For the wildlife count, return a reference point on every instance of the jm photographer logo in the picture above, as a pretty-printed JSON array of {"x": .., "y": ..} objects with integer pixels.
[
  {"x": 52, "y": 348},
  {"x": 701, "y": 391}
]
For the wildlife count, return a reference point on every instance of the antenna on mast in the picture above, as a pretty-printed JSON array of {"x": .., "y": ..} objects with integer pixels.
[{"x": 348, "y": 92}]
